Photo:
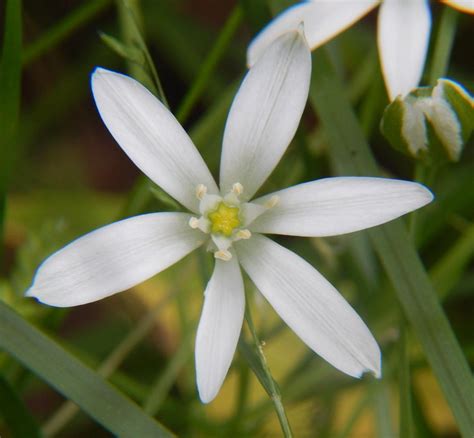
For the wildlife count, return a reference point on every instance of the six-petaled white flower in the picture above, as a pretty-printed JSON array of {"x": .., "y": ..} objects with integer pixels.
[
  {"x": 403, "y": 33},
  {"x": 261, "y": 123}
]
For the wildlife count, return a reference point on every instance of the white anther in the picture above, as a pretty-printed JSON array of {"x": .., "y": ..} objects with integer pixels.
[
  {"x": 272, "y": 202},
  {"x": 243, "y": 234},
  {"x": 194, "y": 223},
  {"x": 237, "y": 189},
  {"x": 201, "y": 190},
  {"x": 223, "y": 254}
]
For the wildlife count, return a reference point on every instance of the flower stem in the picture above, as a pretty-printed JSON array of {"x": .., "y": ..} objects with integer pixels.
[
  {"x": 443, "y": 44},
  {"x": 405, "y": 401},
  {"x": 68, "y": 410},
  {"x": 209, "y": 64},
  {"x": 271, "y": 387}
]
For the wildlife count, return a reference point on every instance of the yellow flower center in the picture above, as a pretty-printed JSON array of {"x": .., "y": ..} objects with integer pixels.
[{"x": 224, "y": 220}]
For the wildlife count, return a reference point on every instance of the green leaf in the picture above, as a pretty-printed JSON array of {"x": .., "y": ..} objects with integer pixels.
[
  {"x": 405, "y": 403},
  {"x": 64, "y": 29},
  {"x": 447, "y": 272},
  {"x": 130, "y": 53},
  {"x": 75, "y": 381},
  {"x": 19, "y": 421},
  {"x": 351, "y": 155}
]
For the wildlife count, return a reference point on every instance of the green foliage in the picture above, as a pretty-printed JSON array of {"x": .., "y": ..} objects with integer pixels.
[{"x": 67, "y": 181}]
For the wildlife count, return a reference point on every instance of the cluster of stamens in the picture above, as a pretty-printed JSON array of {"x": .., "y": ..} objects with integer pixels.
[{"x": 225, "y": 218}]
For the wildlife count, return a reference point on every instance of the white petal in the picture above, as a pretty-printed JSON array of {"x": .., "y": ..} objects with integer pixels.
[
  {"x": 333, "y": 206},
  {"x": 219, "y": 327},
  {"x": 322, "y": 21},
  {"x": 265, "y": 114},
  {"x": 114, "y": 258},
  {"x": 310, "y": 305},
  {"x": 151, "y": 136},
  {"x": 403, "y": 36},
  {"x": 463, "y": 5}
]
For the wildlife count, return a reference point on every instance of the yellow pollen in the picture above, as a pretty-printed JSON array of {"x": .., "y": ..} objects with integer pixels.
[{"x": 224, "y": 219}]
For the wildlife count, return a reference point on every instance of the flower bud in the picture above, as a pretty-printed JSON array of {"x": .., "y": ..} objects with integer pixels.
[{"x": 432, "y": 123}]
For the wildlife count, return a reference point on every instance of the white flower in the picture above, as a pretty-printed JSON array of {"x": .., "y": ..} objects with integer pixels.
[
  {"x": 403, "y": 33},
  {"x": 261, "y": 123}
]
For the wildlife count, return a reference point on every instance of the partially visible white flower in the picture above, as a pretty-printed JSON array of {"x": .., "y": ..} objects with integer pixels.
[
  {"x": 262, "y": 121},
  {"x": 403, "y": 33}
]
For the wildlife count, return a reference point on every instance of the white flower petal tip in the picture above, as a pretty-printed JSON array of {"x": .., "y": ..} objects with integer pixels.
[
  {"x": 403, "y": 53},
  {"x": 219, "y": 327},
  {"x": 321, "y": 20},
  {"x": 265, "y": 114},
  {"x": 151, "y": 136},
  {"x": 339, "y": 205},
  {"x": 311, "y": 306},
  {"x": 466, "y": 6},
  {"x": 113, "y": 258}
]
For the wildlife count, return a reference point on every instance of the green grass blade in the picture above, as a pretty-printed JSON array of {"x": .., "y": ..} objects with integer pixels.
[
  {"x": 351, "y": 155},
  {"x": 210, "y": 63},
  {"x": 10, "y": 89},
  {"x": 381, "y": 407},
  {"x": 75, "y": 381},
  {"x": 258, "y": 363},
  {"x": 19, "y": 421},
  {"x": 65, "y": 28},
  {"x": 405, "y": 402},
  {"x": 443, "y": 44},
  {"x": 449, "y": 269}
]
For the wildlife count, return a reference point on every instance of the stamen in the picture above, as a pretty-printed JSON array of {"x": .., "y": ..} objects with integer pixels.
[
  {"x": 223, "y": 254},
  {"x": 237, "y": 189},
  {"x": 194, "y": 223},
  {"x": 243, "y": 235},
  {"x": 272, "y": 202},
  {"x": 201, "y": 190}
]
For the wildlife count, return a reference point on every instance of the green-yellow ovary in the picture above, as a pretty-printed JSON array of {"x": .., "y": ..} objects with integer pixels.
[{"x": 225, "y": 219}]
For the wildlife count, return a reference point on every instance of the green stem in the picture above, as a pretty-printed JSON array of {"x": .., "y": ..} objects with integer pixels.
[
  {"x": 443, "y": 44},
  {"x": 130, "y": 19},
  {"x": 68, "y": 410},
  {"x": 355, "y": 415},
  {"x": 65, "y": 28},
  {"x": 272, "y": 386},
  {"x": 210, "y": 63},
  {"x": 166, "y": 378},
  {"x": 447, "y": 271},
  {"x": 405, "y": 402},
  {"x": 381, "y": 402}
]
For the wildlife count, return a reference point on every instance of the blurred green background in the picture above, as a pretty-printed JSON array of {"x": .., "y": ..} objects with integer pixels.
[{"x": 69, "y": 177}]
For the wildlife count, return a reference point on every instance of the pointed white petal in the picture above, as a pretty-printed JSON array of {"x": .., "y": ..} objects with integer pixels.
[
  {"x": 462, "y": 5},
  {"x": 219, "y": 327},
  {"x": 333, "y": 206},
  {"x": 151, "y": 136},
  {"x": 114, "y": 258},
  {"x": 310, "y": 305},
  {"x": 403, "y": 36},
  {"x": 322, "y": 21},
  {"x": 265, "y": 114}
]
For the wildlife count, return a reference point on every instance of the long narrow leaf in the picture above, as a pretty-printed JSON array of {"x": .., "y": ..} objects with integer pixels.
[
  {"x": 20, "y": 422},
  {"x": 75, "y": 381},
  {"x": 351, "y": 155}
]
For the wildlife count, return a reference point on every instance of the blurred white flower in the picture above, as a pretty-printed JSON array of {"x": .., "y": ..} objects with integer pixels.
[
  {"x": 262, "y": 121},
  {"x": 403, "y": 33}
]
